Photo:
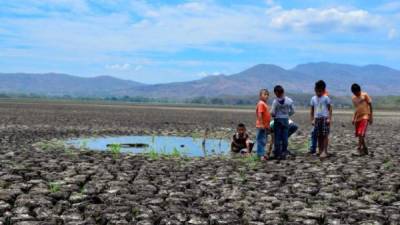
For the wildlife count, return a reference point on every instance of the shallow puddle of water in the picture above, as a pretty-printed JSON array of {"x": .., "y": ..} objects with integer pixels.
[{"x": 162, "y": 144}]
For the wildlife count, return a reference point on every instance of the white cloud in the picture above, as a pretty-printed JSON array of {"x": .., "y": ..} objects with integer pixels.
[
  {"x": 202, "y": 74},
  {"x": 392, "y": 34},
  {"x": 206, "y": 74},
  {"x": 324, "y": 20},
  {"x": 120, "y": 67}
]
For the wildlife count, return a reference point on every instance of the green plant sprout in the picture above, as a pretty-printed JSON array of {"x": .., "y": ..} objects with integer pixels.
[
  {"x": 115, "y": 149},
  {"x": 54, "y": 187}
]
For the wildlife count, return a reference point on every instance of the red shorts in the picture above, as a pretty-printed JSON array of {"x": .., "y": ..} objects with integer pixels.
[{"x": 361, "y": 128}]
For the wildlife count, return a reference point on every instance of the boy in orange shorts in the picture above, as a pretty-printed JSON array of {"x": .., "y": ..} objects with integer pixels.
[{"x": 362, "y": 116}]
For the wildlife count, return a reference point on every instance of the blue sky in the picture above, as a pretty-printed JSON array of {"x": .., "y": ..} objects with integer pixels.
[{"x": 167, "y": 41}]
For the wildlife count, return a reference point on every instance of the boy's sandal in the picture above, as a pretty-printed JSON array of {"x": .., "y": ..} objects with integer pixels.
[{"x": 264, "y": 158}]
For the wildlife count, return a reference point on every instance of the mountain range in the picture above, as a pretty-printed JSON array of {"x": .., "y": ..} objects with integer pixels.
[{"x": 375, "y": 79}]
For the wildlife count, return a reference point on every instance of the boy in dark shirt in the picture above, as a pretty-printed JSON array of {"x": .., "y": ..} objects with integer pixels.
[{"x": 241, "y": 142}]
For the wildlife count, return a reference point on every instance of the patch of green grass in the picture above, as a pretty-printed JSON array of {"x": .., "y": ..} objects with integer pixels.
[
  {"x": 50, "y": 145},
  {"x": 242, "y": 176},
  {"x": 152, "y": 154},
  {"x": 388, "y": 164},
  {"x": 115, "y": 150},
  {"x": 301, "y": 147},
  {"x": 175, "y": 153},
  {"x": 54, "y": 187},
  {"x": 252, "y": 162},
  {"x": 135, "y": 212}
]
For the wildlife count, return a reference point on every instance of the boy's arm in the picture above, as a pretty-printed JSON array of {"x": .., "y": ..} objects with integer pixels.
[
  {"x": 271, "y": 143},
  {"x": 273, "y": 108},
  {"x": 354, "y": 114},
  {"x": 260, "y": 116},
  {"x": 234, "y": 142},
  {"x": 248, "y": 143},
  {"x": 330, "y": 113}
]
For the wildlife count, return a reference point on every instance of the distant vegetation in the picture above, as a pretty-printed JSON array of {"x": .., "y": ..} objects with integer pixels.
[{"x": 302, "y": 100}]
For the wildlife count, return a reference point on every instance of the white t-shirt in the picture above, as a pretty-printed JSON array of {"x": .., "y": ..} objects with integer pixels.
[{"x": 320, "y": 105}]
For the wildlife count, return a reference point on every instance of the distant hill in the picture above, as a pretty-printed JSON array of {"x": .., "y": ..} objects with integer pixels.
[
  {"x": 54, "y": 84},
  {"x": 376, "y": 79}
]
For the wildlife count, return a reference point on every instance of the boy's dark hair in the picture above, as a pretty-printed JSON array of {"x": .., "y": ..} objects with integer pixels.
[
  {"x": 241, "y": 125},
  {"x": 355, "y": 88},
  {"x": 320, "y": 85},
  {"x": 278, "y": 89},
  {"x": 264, "y": 90}
]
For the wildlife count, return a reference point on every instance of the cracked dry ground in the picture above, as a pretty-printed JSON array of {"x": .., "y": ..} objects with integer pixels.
[{"x": 96, "y": 189}]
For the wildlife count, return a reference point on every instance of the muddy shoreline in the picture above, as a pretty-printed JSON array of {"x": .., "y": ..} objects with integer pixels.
[{"x": 85, "y": 187}]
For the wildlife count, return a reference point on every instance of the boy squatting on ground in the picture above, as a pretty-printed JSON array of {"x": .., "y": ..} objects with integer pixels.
[
  {"x": 362, "y": 116},
  {"x": 282, "y": 108},
  {"x": 262, "y": 123},
  {"x": 241, "y": 142},
  {"x": 321, "y": 115}
]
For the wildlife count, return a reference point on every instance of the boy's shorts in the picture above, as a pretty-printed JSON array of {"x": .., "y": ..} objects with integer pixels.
[
  {"x": 322, "y": 128},
  {"x": 242, "y": 149},
  {"x": 361, "y": 128}
]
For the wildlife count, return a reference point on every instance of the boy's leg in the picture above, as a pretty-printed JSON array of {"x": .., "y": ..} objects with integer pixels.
[
  {"x": 285, "y": 136},
  {"x": 250, "y": 146},
  {"x": 357, "y": 133},
  {"x": 314, "y": 140},
  {"x": 292, "y": 129},
  {"x": 359, "y": 144},
  {"x": 271, "y": 144},
  {"x": 320, "y": 144},
  {"x": 364, "y": 146},
  {"x": 364, "y": 133},
  {"x": 261, "y": 141},
  {"x": 278, "y": 138},
  {"x": 325, "y": 141}
]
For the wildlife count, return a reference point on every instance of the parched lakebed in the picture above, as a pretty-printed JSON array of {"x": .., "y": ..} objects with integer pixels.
[{"x": 59, "y": 186}]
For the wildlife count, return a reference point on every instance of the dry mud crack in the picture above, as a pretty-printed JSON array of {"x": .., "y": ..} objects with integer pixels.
[{"x": 85, "y": 187}]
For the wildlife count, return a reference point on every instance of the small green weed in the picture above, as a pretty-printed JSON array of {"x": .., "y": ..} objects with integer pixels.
[
  {"x": 152, "y": 154},
  {"x": 301, "y": 147},
  {"x": 50, "y": 145},
  {"x": 388, "y": 164},
  {"x": 242, "y": 176},
  {"x": 54, "y": 187},
  {"x": 252, "y": 162},
  {"x": 135, "y": 212},
  {"x": 115, "y": 149}
]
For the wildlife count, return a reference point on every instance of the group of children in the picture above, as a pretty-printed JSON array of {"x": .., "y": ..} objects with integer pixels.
[{"x": 281, "y": 127}]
